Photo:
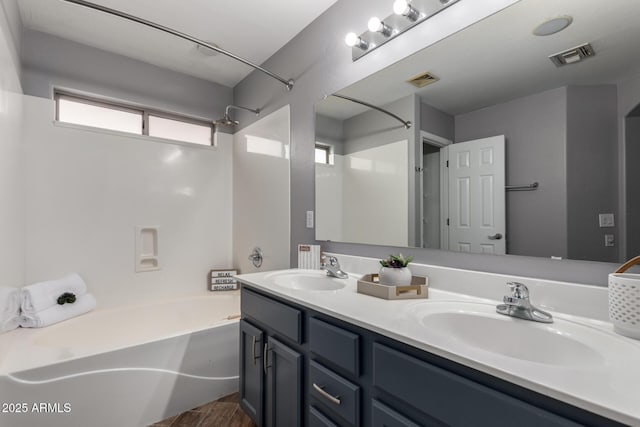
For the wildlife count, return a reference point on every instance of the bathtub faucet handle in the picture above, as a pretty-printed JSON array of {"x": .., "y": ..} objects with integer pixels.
[{"x": 256, "y": 257}]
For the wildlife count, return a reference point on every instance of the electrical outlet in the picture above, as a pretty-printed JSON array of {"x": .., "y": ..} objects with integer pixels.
[
  {"x": 309, "y": 219},
  {"x": 606, "y": 220},
  {"x": 609, "y": 240}
]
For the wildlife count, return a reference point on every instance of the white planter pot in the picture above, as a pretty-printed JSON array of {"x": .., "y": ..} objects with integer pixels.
[{"x": 395, "y": 276}]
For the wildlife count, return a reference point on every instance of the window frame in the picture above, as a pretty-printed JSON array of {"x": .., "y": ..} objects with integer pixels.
[
  {"x": 327, "y": 149},
  {"x": 144, "y": 112}
]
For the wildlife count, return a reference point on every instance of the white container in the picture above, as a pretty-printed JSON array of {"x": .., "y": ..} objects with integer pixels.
[
  {"x": 624, "y": 303},
  {"x": 395, "y": 276}
]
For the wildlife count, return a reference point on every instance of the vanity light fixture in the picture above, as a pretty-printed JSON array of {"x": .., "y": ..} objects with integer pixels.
[
  {"x": 406, "y": 15},
  {"x": 402, "y": 7},
  {"x": 353, "y": 40},
  {"x": 377, "y": 26}
]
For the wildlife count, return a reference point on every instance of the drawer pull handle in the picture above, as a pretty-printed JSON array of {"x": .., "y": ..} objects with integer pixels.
[
  {"x": 253, "y": 349},
  {"x": 265, "y": 366},
  {"x": 320, "y": 389}
]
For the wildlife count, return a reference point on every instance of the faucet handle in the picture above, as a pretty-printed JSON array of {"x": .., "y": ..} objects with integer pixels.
[
  {"x": 329, "y": 261},
  {"x": 518, "y": 290}
]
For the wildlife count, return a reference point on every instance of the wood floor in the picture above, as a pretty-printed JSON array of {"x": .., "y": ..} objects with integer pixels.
[{"x": 224, "y": 412}]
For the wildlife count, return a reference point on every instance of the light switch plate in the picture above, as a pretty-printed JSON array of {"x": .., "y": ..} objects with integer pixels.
[
  {"x": 606, "y": 220},
  {"x": 609, "y": 240},
  {"x": 309, "y": 219}
]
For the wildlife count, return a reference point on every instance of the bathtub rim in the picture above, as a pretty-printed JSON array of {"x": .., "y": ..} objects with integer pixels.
[{"x": 22, "y": 339}]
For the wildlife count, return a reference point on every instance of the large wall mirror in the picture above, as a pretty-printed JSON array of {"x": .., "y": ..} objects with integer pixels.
[{"x": 510, "y": 152}]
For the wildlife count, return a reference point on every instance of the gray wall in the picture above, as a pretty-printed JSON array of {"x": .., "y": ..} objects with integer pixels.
[
  {"x": 330, "y": 131},
  {"x": 50, "y": 61},
  {"x": 633, "y": 184},
  {"x": 319, "y": 62},
  {"x": 11, "y": 26},
  {"x": 592, "y": 164},
  {"x": 437, "y": 122},
  {"x": 628, "y": 101},
  {"x": 535, "y": 131},
  {"x": 373, "y": 128}
]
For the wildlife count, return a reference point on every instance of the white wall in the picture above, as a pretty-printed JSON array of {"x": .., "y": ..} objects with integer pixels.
[
  {"x": 261, "y": 202},
  {"x": 11, "y": 182},
  {"x": 329, "y": 184},
  {"x": 375, "y": 196},
  {"x": 88, "y": 190}
]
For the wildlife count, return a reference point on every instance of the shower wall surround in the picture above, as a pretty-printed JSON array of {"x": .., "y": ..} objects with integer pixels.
[
  {"x": 11, "y": 159},
  {"x": 261, "y": 195},
  {"x": 88, "y": 190}
]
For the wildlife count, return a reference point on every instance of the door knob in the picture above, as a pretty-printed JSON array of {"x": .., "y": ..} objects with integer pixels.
[{"x": 496, "y": 236}]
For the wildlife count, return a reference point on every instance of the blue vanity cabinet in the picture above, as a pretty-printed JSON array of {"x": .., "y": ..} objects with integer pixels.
[
  {"x": 383, "y": 416},
  {"x": 284, "y": 385},
  {"x": 323, "y": 371},
  {"x": 251, "y": 371},
  {"x": 271, "y": 363}
]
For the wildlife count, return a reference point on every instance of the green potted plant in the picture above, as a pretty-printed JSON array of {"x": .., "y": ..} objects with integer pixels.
[{"x": 394, "y": 270}]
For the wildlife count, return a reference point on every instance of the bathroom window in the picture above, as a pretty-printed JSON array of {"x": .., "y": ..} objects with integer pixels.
[
  {"x": 323, "y": 154},
  {"x": 86, "y": 111}
]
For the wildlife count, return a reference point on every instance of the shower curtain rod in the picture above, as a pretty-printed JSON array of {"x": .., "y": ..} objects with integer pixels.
[
  {"x": 288, "y": 83},
  {"x": 407, "y": 124}
]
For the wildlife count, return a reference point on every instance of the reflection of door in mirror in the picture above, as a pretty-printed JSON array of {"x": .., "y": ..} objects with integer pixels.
[
  {"x": 433, "y": 203},
  {"x": 476, "y": 171}
]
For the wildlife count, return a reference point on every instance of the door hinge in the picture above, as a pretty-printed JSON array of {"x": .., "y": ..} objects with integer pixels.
[
  {"x": 447, "y": 221},
  {"x": 447, "y": 163}
]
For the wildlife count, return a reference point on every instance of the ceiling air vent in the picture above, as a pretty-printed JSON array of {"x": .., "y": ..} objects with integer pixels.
[
  {"x": 573, "y": 55},
  {"x": 423, "y": 79}
]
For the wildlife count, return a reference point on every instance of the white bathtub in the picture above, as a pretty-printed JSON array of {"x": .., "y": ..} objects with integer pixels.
[{"x": 121, "y": 367}]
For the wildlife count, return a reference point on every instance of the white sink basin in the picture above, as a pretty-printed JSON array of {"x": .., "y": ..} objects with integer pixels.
[
  {"x": 306, "y": 280},
  {"x": 476, "y": 326}
]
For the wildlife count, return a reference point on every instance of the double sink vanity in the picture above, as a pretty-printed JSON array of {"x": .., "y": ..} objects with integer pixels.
[{"x": 315, "y": 352}]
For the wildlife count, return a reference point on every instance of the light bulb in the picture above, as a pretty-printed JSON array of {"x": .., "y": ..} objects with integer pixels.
[
  {"x": 375, "y": 24},
  {"x": 400, "y": 7},
  {"x": 351, "y": 39}
]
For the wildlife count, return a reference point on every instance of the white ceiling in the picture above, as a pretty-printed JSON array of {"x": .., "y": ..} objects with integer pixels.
[
  {"x": 499, "y": 59},
  {"x": 252, "y": 29}
]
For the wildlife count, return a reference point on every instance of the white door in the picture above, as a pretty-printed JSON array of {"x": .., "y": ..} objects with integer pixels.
[{"x": 477, "y": 196}]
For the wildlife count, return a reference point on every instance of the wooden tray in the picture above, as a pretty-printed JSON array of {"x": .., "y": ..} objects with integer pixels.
[{"x": 419, "y": 288}]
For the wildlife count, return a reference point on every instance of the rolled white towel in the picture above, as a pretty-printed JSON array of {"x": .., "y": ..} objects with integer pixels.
[
  {"x": 58, "y": 313},
  {"x": 43, "y": 295},
  {"x": 9, "y": 308}
]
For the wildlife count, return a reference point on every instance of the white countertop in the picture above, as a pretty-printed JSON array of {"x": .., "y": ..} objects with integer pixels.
[{"x": 609, "y": 387}]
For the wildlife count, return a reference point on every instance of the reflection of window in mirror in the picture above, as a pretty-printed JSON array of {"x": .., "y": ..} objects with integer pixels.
[{"x": 323, "y": 154}]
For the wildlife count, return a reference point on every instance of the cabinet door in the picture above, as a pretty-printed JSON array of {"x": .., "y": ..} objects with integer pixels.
[
  {"x": 383, "y": 416},
  {"x": 284, "y": 385},
  {"x": 251, "y": 367}
]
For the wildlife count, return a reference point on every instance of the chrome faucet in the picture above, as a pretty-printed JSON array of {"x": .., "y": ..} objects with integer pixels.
[
  {"x": 333, "y": 268},
  {"x": 518, "y": 305}
]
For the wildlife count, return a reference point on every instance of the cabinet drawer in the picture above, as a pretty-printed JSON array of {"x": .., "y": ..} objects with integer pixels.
[
  {"x": 383, "y": 416},
  {"x": 337, "y": 394},
  {"x": 317, "y": 419},
  {"x": 335, "y": 344},
  {"x": 283, "y": 319},
  {"x": 451, "y": 398}
]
